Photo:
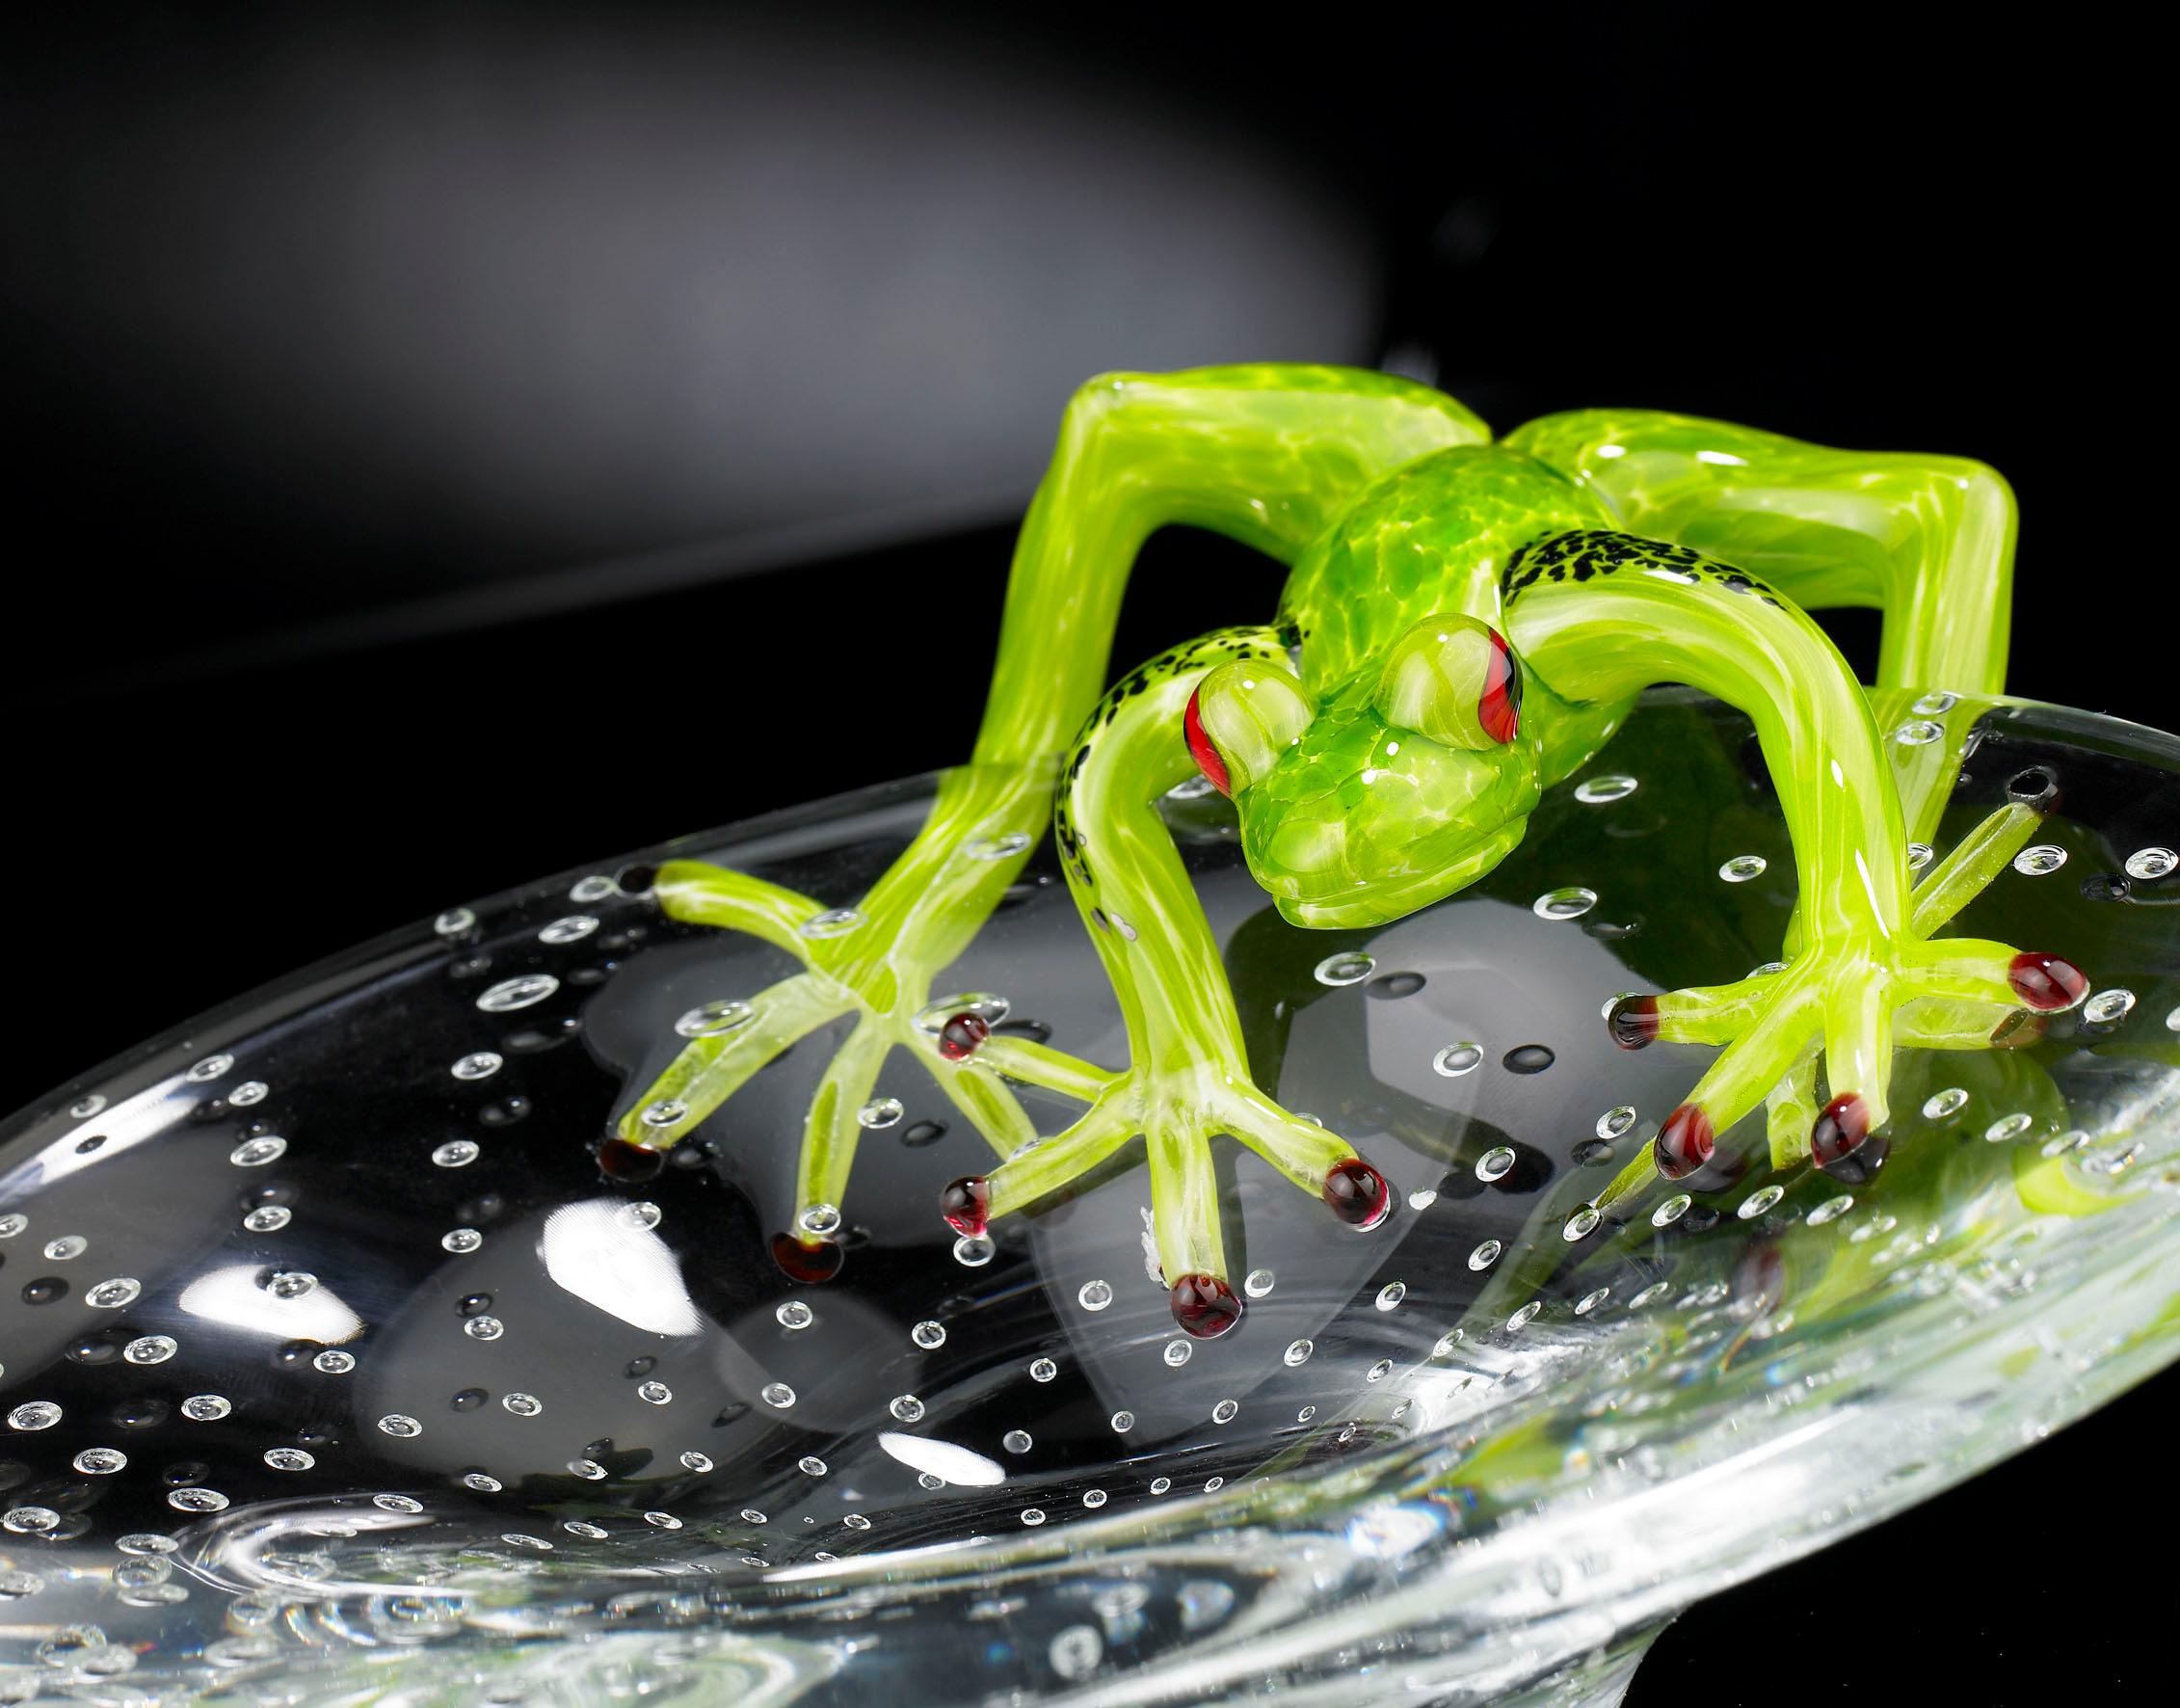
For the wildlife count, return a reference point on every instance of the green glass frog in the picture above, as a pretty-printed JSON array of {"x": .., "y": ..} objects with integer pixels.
[{"x": 1464, "y": 623}]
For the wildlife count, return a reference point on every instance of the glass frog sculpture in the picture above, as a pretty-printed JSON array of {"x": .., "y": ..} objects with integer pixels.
[{"x": 1464, "y": 623}]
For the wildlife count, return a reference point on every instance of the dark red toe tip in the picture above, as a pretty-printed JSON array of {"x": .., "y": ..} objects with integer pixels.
[
  {"x": 1357, "y": 1193},
  {"x": 629, "y": 1163},
  {"x": 1633, "y": 1022},
  {"x": 808, "y": 1261},
  {"x": 966, "y": 1205},
  {"x": 1683, "y": 1145},
  {"x": 1862, "y": 1162},
  {"x": 1840, "y": 1130},
  {"x": 1204, "y": 1306},
  {"x": 2046, "y": 983},
  {"x": 962, "y": 1035}
]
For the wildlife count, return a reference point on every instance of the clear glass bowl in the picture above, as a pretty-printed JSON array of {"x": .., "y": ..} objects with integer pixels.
[{"x": 335, "y": 1368}]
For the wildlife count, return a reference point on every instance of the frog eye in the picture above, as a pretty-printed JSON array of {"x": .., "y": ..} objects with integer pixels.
[
  {"x": 1241, "y": 718},
  {"x": 1455, "y": 680}
]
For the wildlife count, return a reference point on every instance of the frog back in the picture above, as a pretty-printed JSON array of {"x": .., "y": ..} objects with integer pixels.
[{"x": 1431, "y": 536}]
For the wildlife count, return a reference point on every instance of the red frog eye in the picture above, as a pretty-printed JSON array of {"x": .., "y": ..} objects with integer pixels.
[
  {"x": 1200, "y": 748},
  {"x": 1499, "y": 707}
]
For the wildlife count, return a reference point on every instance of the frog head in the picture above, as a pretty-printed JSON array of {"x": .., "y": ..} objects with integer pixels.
[{"x": 1401, "y": 784}]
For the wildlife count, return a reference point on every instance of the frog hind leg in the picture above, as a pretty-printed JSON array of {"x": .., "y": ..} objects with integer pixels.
[{"x": 1265, "y": 453}]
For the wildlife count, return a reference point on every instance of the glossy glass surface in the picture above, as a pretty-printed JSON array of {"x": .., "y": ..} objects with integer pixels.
[{"x": 336, "y": 1368}]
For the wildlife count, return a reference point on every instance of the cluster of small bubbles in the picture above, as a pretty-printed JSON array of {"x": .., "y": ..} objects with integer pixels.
[
  {"x": 572, "y": 928},
  {"x": 1485, "y": 1255},
  {"x": 1379, "y": 1372},
  {"x": 693, "y": 1461},
  {"x": 1919, "y": 855},
  {"x": 523, "y": 992},
  {"x": 456, "y": 1153},
  {"x": 100, "y": 1462},
  {"x": 455, "y": 922},
  {"x": 1223, "y": 1412},
  {"x": 1043, "y": 1369},
  {"x": 907, "y": 1408},
  {"x": 1423, "y": 1198},
  {"x": 1943, "y": 1105},
  {"x": 1299, "y": 1352},
  {"x": 210, "y": 1408},
  {"x": 973, "y": 1250},
  {"x": 708, "y": 1020},
  {"x": 1456, "y": 1059},
  {"x": 1759, "y": 1201},
  {"x": 1496, "y": 1162},
  {"x": 1582, "y": 1224},
  {"x": 2107, "y": 1006},
  {"x": 1093, "y": 1295},
  {"x": 1671, "y": 1210},
  {"x": 1016, "y": 1441},
  {"x": 793, "y": 1312},
  {"x": 1524, "y": 1316},
  {"x": 2037, "y": 861},
  {"x": 460, "y": 1241},
  {"x": 1597, "y": 791},
  {"x": 1003, "y": 847},
  {"x": 1123, "y": 1422},
  {"x": 1743, "y": 867},
  {"x": 114, "y": 1294},
  {"x": 151, "y": 1349},
  {"x": 2008, "y": 1127},
  {"x": 834, "y": 921},
  {"x": 256, "y": 1152},
  {"x": 478, "y": 1064},
  {"x": 880, "y": 1112},
  {"x": 653, "y": 1393},
  {"x": 210, "y": 1068},
  {"x": 1589, "y": 1302},
  {"x": 2151, "y": 863},
  {"x": 777, "y": 1395},
  {"x": 1920, "y": 733},
  {"x": 484, "y": 1329},
  {"x": 249, "y": 1094},
  {"x": 1391, "y": 1294},
  {"x": 1178, "y": 1352},
  {"x": 1569, "y": 901},
  {"x": 1257, "y": 1283},
  {"x": 523, "y": 1405},
  {"x": 1831, "y": 1209},
  {"x": 1350, "y": 966},
  {"x": 289, "y": 1458}
]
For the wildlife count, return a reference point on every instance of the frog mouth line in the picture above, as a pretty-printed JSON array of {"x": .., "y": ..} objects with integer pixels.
[{"x": 1379, "y": 901}]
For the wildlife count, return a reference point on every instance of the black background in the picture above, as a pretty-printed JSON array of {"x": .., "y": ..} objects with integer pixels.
[{"x": 451, "y": 443}]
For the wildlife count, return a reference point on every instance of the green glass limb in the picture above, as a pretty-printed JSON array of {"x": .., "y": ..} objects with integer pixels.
[
  {"x": 832, "y": 1125},
  {"x": 1040, "y": 1064},
  {"x": 1266, "y": 453},
  {"x": 710, "y": 1070},
  {"x": 701, "y": 895},
  {"x": 1930, "y": 540}
]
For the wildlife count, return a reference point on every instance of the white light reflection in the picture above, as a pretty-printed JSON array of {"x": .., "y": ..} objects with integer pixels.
[
  {"x": 232, "y": 1296},
  {"x": 941, "y": 1459},
  {"x": 606, "y": 1258}
]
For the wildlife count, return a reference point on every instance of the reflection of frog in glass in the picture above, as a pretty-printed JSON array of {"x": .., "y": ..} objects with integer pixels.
[{"x": 1463, "y": 625}]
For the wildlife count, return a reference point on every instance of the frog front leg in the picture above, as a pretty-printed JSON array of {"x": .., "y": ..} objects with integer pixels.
[
  {"x": 1598, "y": 616},
  {"x": 1187, "y": 1080},
  {"x": 1266, "y": 454}
]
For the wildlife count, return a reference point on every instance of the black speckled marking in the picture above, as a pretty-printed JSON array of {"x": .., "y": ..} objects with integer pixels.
[{"x": 1581, "y": 554}]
